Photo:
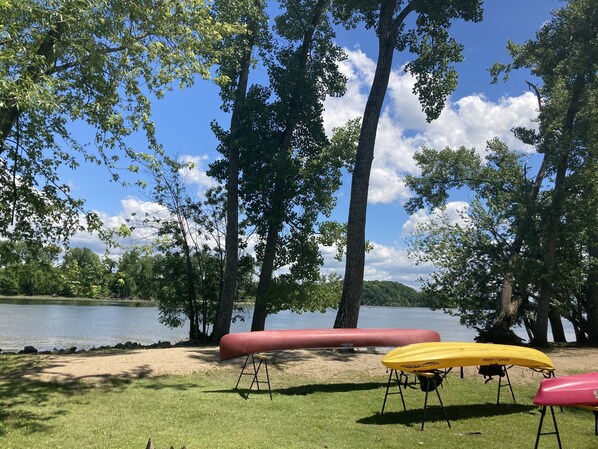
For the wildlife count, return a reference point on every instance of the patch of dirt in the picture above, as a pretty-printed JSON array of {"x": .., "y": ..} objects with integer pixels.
[{"x": 314, "y": 364}]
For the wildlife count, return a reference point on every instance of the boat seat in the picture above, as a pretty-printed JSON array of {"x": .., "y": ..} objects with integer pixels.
[{"x": 253, "y": 369}]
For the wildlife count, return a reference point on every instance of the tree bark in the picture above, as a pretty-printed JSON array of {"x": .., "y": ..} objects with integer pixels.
[
  {"x": 227, "y": 297},
  {"x": 348, "y": 311},
  {"x": 556, "y": 325},
  {"x": 260, "y": 311}
]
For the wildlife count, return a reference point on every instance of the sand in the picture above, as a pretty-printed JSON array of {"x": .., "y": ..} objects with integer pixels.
[{"x": 313, "y": 364}]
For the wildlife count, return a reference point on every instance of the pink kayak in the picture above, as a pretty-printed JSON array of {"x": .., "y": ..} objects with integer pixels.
[
  {"x": 244, "y": 343},
  {"x": 575, "y": 390}
]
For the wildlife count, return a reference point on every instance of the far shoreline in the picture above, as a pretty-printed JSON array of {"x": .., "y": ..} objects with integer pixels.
[{"x": 68, "y": 299}]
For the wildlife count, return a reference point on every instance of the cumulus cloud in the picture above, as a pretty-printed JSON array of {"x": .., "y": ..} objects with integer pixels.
[
  {"x": 454, "y": 214},
  {"x": 383, "y": 263},
  {"x": 131, "y": 208},
  {"x": 195, "y": 174},
  {"x": 469, "y": 121}
]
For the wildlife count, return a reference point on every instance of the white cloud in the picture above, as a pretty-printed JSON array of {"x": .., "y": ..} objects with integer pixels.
[
  {"x": 453, "y": 214},
  {"x": 196, "y": 174},
  {"x": 131, "y": 207},
  {"x": 469, "y": 121},
  {"x": 385, "y": 263}
]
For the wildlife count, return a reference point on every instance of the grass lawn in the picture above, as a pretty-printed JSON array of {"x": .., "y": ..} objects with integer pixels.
[{"x": 203, "y": 411}]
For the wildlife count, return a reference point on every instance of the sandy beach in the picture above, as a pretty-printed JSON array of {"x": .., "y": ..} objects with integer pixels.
[{"x": 313, "y": 364}]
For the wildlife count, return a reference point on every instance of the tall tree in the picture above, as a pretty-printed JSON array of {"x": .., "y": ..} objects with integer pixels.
[
  {"x": 564, "y": 56},
  {"x": 93, "y": 62},
  {"x": 179, "y": 236},
  {"x": 235, "y": 67},
  {"x": 287, "y": 167},
  {"x": 428, "y": 38},
  {"x": 473, "y": 256}
]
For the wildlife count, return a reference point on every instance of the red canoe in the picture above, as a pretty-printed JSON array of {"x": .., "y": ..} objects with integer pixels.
[
  {"x": 576, "y": 390},
  {"x": 244, "y": 343}
]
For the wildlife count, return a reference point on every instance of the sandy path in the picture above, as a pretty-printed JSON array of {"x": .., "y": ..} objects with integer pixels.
[{"x": 315, "y": 364}]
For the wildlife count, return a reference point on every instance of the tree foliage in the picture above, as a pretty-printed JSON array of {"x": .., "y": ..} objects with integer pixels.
[
  {"x": 391, "y": 294},
  {"x": 534, "y": 235},
  {"x": 94, "y": 63}
]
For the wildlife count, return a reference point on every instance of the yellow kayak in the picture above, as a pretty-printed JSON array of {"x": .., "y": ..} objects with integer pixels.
[{"x": 440, "y": 355}]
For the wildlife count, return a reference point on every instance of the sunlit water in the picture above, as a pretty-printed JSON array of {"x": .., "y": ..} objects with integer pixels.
[{"x": 85, "y": 325}]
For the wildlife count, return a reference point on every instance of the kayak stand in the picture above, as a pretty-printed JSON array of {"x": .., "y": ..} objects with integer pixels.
[
  {"x": 399, "y": 379},
  {"x": 556, "y": 429},
  {"x": 429, "y": 381},
  {"x": 263, "y": 360}
]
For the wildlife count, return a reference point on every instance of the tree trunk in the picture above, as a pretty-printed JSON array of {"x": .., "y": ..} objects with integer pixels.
[
  {"x": 556, "y": 324},
  {"x": 260, "y": 311},
  {"x": 592, "y": 288},
  {"x": 227, "y": 297},
  {"x": 558, "y": 196},
  {"x": 348, "y": 311},
  {"x": 509, "y": 305},
  {"x": 191, "y": 293}
]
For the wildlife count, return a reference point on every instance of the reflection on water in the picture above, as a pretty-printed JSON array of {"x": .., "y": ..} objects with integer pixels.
[{"x": 85, "y": 324}]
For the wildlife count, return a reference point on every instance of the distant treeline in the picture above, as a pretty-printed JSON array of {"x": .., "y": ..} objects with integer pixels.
[
  {"x": 391, "y": 294},
  {"x": 82, "y": 273}
]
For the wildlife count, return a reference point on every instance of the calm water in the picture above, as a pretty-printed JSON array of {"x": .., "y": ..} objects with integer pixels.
[{"x": 85, "y": 325}]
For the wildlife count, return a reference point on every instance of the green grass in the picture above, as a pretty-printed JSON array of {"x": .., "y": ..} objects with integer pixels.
[{"x": 203, "y": 411}]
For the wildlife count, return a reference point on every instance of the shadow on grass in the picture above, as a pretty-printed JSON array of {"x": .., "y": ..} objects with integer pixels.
[
  {"x": 24, "y": 404},
  {"x": 27, "y": 402},
  {"x": 454, "y": 413},
  {"x": 304, "y": 390}
]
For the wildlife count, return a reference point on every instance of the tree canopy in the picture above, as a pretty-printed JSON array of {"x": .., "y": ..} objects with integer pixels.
[
  {"x": 525, "y": 249},
  {"x": 97, "y": 63}
]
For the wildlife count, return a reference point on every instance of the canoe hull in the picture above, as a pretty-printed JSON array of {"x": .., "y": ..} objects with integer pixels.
[
  {"x": 575, "y": 390},
  {"x": 440, "y": 355},
  {"x": 244, "y": 343}
]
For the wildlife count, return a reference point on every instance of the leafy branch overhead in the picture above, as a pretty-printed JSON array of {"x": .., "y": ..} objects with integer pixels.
[{"x": 95, "y": 64}]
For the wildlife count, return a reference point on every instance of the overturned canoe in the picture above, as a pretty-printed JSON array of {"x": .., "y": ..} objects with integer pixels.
[
  {"x": 244, "y": 343},
  {"x": 575, "y": 390},
  {"x": 440, "y": 355}
]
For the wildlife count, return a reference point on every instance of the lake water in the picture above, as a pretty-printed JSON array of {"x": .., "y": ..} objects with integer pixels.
[{"x": 47, "y": 325}]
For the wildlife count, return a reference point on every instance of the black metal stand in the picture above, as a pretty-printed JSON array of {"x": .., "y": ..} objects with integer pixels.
[
  {"x": 556, "y": 429},
  {"x": 505, "y": 371},
  {"x": 398, "y": 379},
  {"x": 431, "y": 381},
  {"x": 263, "y": 360}
]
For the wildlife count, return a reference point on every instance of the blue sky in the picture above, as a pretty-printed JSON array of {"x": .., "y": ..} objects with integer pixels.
[{"x": 476, "y": 112}]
